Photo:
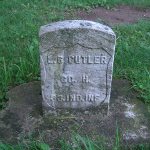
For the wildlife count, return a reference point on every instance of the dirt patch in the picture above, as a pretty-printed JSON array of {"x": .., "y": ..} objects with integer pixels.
[{"x": 119, "y": 14}]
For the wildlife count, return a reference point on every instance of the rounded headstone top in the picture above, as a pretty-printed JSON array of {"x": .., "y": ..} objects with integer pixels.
[{"x": 72, "y": 24}]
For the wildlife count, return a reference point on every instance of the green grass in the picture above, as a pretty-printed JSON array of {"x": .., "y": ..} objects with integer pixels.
[
  {"x": 136, "y": 3},
  {"x": 132, "y": 57}
]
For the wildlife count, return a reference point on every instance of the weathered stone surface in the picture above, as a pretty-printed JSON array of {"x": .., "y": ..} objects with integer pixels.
[
  {"x": 76, "y": 59},
  {"x": 23, "y": 117}
]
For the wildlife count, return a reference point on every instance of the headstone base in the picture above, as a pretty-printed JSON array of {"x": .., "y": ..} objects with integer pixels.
[
  {"x": 22, "y": 119},
  {"x": 102, "y": 109}
]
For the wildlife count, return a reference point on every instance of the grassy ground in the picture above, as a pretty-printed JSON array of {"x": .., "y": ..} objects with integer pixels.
[
  {"x": 19, "y": 27},
  {"x": 132, "y": 57}
]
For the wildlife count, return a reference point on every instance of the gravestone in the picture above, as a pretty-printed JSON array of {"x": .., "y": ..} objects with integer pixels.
[{"x": 76, "y": 60}]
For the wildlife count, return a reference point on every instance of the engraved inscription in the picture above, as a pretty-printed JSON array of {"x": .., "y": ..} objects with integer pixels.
[
  {"x": 77, "y": 59},
  {"x": 71, "y": 79},
  {"x": 75, "y": 98},
  {"x": 85, "y": 79},
  {"x": 58, "y": 60},
  {"x": 65, "y": 79}
]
